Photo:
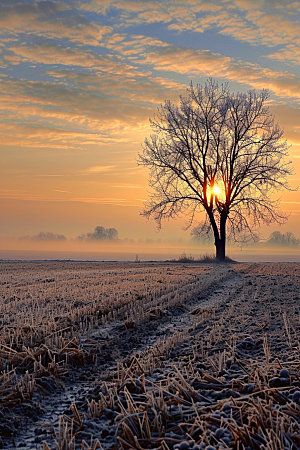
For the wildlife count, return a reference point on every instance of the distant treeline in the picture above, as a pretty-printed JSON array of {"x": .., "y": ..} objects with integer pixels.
[
  {"x": 276, "y": 238},
  {"x": 99, "y": 234},
  {"x": 283, "y": 239},
  {"x": 44, "y": 236}
]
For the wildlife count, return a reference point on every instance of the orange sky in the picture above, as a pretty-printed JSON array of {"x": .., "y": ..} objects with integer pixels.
[{"x": 79, "y": 81}]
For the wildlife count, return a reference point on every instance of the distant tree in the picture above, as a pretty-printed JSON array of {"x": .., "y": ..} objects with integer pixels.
[
  {"x": 112, "y": 234},
  {"x": 45, "y": 236},
  {"x": 201, "y": 237},
  {"x": 275, "y": 238},
  {"x": 221, "y": 153},
  {"x": 100, "y": 234},
  {"x": 291, "y": 240},
  {"x": 288, "y": 239}
]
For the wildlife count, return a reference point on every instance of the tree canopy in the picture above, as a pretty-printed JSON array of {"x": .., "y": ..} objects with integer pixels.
[
  {"x": 287, "y": 239},
  {"x": 221, "y": 153},
  {"x": 100, "y": 234}
]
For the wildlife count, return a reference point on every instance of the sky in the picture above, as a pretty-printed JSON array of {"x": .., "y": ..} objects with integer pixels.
[{"x": 80, "y": 79}]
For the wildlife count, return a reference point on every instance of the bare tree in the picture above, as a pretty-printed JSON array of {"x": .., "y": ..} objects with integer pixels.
[{"x": 218, "y": 152}]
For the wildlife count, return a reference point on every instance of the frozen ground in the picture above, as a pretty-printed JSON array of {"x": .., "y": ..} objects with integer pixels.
[{"x": 163, "y": 355}]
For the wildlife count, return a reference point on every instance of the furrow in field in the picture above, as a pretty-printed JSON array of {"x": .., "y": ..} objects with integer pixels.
[{"x": 169, "y": 321}]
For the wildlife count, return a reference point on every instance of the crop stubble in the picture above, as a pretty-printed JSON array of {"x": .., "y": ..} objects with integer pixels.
[{"x": 164, "y": 354}]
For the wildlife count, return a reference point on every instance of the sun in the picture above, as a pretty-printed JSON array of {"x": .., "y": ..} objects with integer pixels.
[{"x": 216, "y": 190}]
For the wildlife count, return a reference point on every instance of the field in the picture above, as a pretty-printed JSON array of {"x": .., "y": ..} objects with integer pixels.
[{"x": 149, "y": 355}]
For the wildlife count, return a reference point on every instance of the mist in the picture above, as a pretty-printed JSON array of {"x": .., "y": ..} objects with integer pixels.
[{"x": 127, "y": 250}]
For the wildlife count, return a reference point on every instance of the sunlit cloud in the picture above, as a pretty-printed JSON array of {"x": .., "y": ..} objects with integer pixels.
[
  {"x": 98, "y": 169},
  {"x": 103, "y": 201},
  {"x": 205, "y": 63},
  {"x": 290, "y": 53},
  {"x": 292, "y": 203},
  {"x": 74, "y": 57},
  {"x": 11, "y": 192},
  {"x": 127, "y": 186},
  {"x": 41, "y": 198},
  {"x": 47, "y": 19}
]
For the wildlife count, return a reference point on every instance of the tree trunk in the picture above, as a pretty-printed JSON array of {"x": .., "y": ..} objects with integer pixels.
[
  {"x": 220, "y": 250},
  {"x": 220, "y": 235},
  {"x": 221, "y": 242}
]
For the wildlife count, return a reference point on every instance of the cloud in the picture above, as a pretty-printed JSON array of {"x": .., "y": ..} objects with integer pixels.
[
  {"x": 83, "y": 107},
  {"x": 205, "y": 63},
  {"x": 146, "y": 90},
  {"x": 45, "y": 236},
  {"x": 58, "y": 114},
  {"x": 128, "y": 186},
  {"x": 207, "y": 7},
  {"x": 132, "y": 11},
  {"x": 37, "y": 197},
  {"x": 13, "y": 194},
  {"x": 273, "y": 29},
  {"x": 98, "y": 6},
  {"x": 42, "y": 137},
  {"x": 131, "y": 46},
  {"x": 99, "y": 169},
  {"x": 47, "y": 19},
  {"x": 289, "y": 118},
  {"x": 187, "y": 61},
  {"x": 66, "y": 56},
  {"x": 291, "y": 53},
  {"x": 102, "y": 200},
  {"x": 85, "y": 98},
  {"x": 259, "y": 22}
]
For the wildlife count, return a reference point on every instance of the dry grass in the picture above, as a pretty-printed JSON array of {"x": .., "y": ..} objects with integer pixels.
[
  {"x": 206, "y": 258},
  {"x": 47, "y": 307}
]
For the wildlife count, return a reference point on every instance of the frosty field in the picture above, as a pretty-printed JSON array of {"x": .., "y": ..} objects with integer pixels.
[{"x": 149, "y": 355}]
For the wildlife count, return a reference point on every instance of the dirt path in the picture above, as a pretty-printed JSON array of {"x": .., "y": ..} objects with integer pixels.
[{"x": 118, "y": 343}]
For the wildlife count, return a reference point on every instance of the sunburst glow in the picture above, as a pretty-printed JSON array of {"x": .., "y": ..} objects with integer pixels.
[{"x": 216, "y": 190}]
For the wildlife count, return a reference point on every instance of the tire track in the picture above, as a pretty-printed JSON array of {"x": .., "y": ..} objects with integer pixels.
[{"x": 120, "y": 343}]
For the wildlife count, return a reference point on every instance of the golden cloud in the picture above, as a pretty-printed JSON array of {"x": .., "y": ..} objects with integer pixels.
[
  {"x": 46, "y": 19},
  {"x": 75, "y": 57},
  {"x": 205, "y": 63},
  {"x": 99, "y": 169}
]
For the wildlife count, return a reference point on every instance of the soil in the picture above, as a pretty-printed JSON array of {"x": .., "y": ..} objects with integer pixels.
[{"x": 206, "y": 356}]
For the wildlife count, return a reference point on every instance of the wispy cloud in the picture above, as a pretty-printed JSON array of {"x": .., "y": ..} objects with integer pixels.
[
  {"x": 102, "y": 200},
  {"x": 99, "y": 169},
  {"x": 18, "y": 195},
  {"x": 127, "y": 186}
]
